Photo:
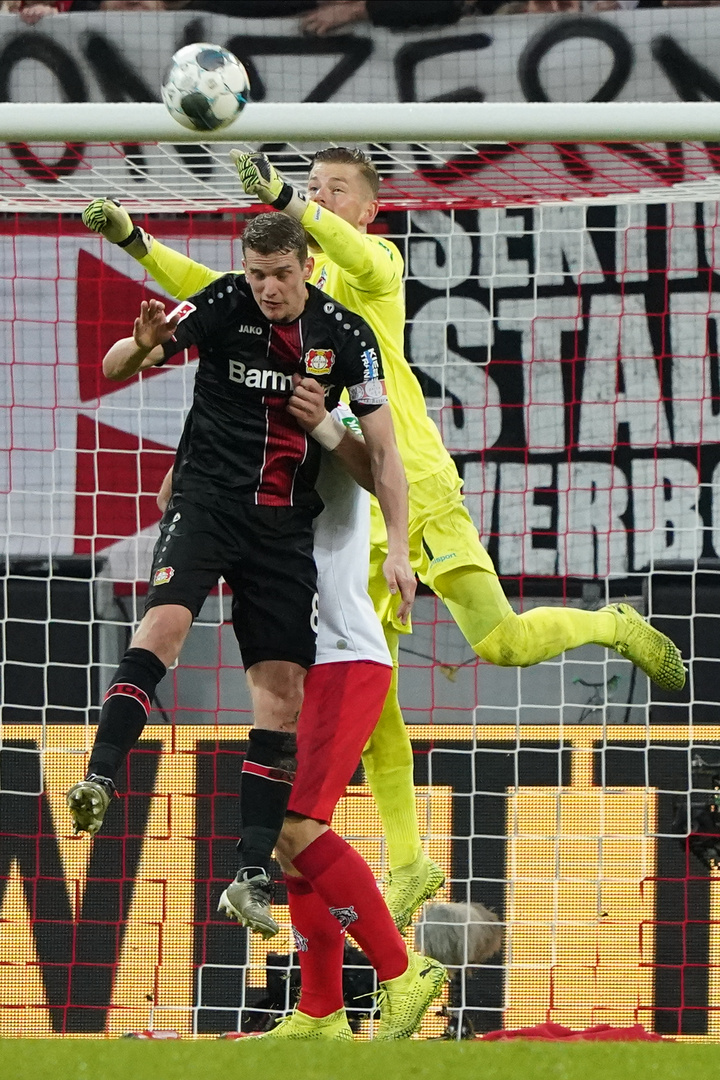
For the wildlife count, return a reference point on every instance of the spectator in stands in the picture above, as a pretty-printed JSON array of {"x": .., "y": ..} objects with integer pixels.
[
  {"x": 546, "y": 7},
  {"x": 330, "y": 15},
  {"x": 249, "y": 9},
  {"x": 31, "y": 12},
  {"x": 127, "y": 5},
  {"x": 552, "y": 7}
]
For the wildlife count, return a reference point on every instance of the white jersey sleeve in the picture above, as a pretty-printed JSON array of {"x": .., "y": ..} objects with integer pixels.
[{"x": 348, "y": 628}]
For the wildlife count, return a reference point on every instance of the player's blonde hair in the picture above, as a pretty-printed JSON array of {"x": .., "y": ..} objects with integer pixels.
[{"x": 351, "y": 155}]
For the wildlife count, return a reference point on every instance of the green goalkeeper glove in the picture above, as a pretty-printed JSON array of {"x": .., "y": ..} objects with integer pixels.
[
  {"x": 108, "y": 217},
  {"x": 258, "y": 177}
]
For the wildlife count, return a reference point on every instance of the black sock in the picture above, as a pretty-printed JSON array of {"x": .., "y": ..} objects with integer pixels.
[
  {"x": 125, "y": 710},
  {"x": 267, "y": 778}
]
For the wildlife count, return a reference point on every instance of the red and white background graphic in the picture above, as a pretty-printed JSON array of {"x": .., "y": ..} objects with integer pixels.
[
  {"x": 569, "y": 355},
  {"x": 83, "y": 456}
]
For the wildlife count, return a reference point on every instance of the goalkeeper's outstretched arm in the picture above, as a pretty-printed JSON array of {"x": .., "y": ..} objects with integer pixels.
[
  {"x": 177, "y": 274},
  {"x": 371, "y": 267},
  {"x": 374, "y": 269}
]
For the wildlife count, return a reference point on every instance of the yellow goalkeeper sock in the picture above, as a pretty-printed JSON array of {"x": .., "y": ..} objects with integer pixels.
[
  {"x": 177, "y": 274},
  {"x": 480, "y": 608},
  {"x": 388, "y": 764},
  {"x": 540, "y": 634}
]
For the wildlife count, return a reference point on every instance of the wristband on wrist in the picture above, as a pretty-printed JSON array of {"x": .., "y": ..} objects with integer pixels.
[
  {"x": 134, "y": 235},
  {"x": 329, "y": 432},
  {"x": 292, "y": 201},
  {"x": 137, "y": 244},
  {"x": 286, "y": 193}
]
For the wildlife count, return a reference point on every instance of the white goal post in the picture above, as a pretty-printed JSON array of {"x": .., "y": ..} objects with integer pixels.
[{"x": 563, "y": 318}]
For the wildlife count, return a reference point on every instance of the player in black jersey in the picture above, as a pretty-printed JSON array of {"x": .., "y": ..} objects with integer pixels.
[{"x": 242, "y": 506}]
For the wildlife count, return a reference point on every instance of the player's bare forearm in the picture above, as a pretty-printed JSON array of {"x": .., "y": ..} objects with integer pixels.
[
  {"x": 125, "y": 358},
  {"x": 145, "y": 348},
  {"x": 307, "y": 405},
  {"x": 392, "y": 494},
  {"x": 352, "y": 453},
  {"x": 388, "y": 477},
  {"x": 163, "y": 495}
]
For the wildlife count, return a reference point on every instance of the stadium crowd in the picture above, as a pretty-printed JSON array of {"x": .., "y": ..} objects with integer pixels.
[{"x": 321, "y": 17}]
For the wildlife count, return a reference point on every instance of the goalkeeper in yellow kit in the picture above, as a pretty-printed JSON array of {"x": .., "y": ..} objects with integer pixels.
[{"x": 365, "y": 273}]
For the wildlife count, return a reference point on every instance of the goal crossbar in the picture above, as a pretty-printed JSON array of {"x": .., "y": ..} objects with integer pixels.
[{"x": 376, "y": 122}]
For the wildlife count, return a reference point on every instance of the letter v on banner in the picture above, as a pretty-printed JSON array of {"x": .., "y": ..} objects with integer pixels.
[{"x": 77, "y": 953}]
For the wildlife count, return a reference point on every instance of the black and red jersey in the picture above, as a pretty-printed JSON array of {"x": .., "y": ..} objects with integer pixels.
[{"x": 238, "y": 436}]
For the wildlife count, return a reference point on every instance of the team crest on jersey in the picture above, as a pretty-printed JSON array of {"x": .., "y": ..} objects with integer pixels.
[
  {"x": 322, "y": 280},
  {"x": 301, "y": 943},
  {"x": 163, "y": 575},
  {"x": 345, "y": 916},
  {"x": 183, "y": 310},
  {"x": 319, "y": 361}
]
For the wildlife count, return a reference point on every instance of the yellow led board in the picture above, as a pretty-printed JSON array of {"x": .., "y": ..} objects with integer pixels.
[{"x": 562, "y": 830}]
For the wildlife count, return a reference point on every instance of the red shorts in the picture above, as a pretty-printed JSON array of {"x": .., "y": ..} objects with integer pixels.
[{"x": 341, "y": 706}]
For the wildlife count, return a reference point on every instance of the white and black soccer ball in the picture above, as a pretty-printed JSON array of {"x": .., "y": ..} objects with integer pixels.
[{"x": 205, "y": 87}]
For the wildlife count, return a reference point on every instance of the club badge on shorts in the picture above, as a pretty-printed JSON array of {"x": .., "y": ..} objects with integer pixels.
[
  {"x": 319, "y": 361},
  {"x": 163, "y": 575}
]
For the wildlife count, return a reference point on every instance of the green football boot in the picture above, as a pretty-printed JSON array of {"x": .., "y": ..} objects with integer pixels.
[
  {"x": 647, "y": 648},
  {"x": 404, "y": 1001},
  {"x": 410, "y": 886},
  {"x": 298, "y": 1025}
]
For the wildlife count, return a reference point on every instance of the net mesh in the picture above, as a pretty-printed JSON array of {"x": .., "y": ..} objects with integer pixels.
[
  {"x": 569, "y": 356},
  {"x": 172, "y": 178}
]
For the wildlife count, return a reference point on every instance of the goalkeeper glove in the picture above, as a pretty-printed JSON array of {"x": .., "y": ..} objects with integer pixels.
[
  {"x": 108, "y": 217},
  {"x": 258, "y": 177}
]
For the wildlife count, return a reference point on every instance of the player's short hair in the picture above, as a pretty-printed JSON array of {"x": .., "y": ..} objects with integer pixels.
[
  {"x": 351, "y": 155},
  {"x": 272, "y": 234}
]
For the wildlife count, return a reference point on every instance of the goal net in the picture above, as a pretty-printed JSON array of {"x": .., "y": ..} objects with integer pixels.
[{"x": 563, "y": 307}]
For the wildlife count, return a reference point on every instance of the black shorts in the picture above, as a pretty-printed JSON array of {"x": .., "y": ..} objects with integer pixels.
[{"x": 264, "y": 553}]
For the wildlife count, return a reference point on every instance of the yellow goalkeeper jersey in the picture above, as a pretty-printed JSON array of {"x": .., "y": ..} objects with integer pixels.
[{"x": 365, "y": 274}]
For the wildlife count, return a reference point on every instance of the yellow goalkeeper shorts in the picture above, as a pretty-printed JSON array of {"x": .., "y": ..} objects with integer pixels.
[{"x": 442, "y": 538}]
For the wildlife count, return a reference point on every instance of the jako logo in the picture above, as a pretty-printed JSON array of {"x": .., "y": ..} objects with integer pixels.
[
  {"x": 245, "y": 329},
  {"x": 261, "y": 380}
]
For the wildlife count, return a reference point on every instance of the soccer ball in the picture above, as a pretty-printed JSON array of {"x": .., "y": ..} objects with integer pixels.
[{"x": 205, "y": 87}]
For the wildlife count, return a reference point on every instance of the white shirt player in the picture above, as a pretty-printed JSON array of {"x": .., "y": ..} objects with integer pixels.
[{"x": 348, "y": 628}]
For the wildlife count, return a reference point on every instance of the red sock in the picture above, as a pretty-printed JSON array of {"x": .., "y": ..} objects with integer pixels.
[
  {"x": 345, "y": 883},
  {"x": 320, "y": 944}
]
